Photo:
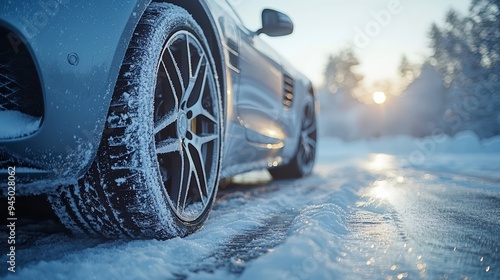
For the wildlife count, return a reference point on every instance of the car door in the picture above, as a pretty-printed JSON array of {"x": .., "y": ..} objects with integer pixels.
[
  {"x": 254, "y": 131},
  {"x": 260, "y": 92}
]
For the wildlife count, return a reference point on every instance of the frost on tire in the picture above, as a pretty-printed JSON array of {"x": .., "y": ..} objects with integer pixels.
[{"x": 157, "y": 169}]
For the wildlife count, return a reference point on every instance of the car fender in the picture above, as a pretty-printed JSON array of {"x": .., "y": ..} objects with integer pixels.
[{"x": 78, "y": 48}]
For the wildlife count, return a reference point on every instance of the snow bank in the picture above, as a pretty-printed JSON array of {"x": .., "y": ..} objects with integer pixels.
[
  {"x": 479, "y": 158},
  {"x": 15, "y": 124},
  {"x": 463, "y": 142}
]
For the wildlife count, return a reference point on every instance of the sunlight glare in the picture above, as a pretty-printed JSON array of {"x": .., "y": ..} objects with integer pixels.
[
  {"x": 380, "y": 162},
  {"x": 379, "y": 97},
  {"x": 381, "y": 191}
]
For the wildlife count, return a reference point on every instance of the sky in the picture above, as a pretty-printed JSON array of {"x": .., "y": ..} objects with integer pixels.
[{"x": 380, "y": 31}]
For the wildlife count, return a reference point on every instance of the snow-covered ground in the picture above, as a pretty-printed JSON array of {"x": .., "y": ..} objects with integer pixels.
[{"x": 391, "y": 208}]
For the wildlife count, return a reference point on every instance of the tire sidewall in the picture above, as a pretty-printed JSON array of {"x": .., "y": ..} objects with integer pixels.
[{"x": 165, "y": 28}]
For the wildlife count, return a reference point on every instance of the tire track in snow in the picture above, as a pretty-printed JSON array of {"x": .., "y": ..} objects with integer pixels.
[{"x": 250, "y": 245}]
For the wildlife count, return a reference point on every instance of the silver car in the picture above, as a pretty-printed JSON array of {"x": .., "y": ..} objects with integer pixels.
[{"x": 126, "y": 114}]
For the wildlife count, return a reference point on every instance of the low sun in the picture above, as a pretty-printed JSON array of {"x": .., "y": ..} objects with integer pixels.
[{"x": 379, "y": 97}]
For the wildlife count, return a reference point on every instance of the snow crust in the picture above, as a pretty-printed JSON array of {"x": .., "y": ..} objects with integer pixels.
[
  {"x": 363, "y": 214},
  {"x": 465, "y": 142},
  {"x": 15, "y": 124}
]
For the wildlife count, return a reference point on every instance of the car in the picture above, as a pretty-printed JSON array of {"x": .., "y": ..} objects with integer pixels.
[{"x": 127, "y": 114}]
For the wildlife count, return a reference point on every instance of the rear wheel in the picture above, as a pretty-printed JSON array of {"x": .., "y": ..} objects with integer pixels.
[
  {"x": 303, "y": 162},
  {"x": 157, "y": 169}
]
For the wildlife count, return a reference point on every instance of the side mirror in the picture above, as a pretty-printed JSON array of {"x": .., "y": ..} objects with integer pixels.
[{"x": 275, "y": 24}]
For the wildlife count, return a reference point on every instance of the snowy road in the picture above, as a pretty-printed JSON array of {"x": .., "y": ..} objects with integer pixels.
[{"x": 361, "y": 215}]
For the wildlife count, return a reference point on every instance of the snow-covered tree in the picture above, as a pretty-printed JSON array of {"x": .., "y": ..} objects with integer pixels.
[
  {"x": 466, "y": 52},
  {"x": 408, "y": 72},
  {"x": 340, "y": 77},
  {"x": 339, "y": 110}
]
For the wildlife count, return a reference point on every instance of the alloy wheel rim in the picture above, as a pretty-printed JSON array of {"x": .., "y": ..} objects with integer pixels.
[
  {"x": 187, "y": 128},
  {"x": 307, "y": 146}
]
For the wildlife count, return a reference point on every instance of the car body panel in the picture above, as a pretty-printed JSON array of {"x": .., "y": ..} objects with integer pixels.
[
  {"x": 259, "y": 131},
  {"x": 76, "y": 97}
]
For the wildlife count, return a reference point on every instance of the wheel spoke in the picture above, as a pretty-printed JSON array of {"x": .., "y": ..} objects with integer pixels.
[
  {"x": 309, "y": 130},
  {"x": 309, "y": 141},
  {"x": 185, "y": 182},
  {"x": 200, "y": 174},
  {"x": 199, "y": 141},
  {"x": 305, "y": 148},
  {"x": 165, "y": 121},
  {"x": 166, "y": 102},
  {"x": 190, "y": 67},
  {"x": 199, "y": 163},
  {"x": 196, "y": 82},
  {"x": 308, "y": 152},
  {"x": 172, "y": 86},
  {"x": 207, "y": 115},
  {"x": 197, "y": 108},
  {"x": 308, "y": 118},
  {"x": 177, "y": 70},
  {"x": 307, "y": 157},
  {"x": 168, "y": 146}
]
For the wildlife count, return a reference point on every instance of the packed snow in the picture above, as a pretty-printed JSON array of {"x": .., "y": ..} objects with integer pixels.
[
  {"x": 368, "y": 212},
  {"x": 15, "y": 124}
]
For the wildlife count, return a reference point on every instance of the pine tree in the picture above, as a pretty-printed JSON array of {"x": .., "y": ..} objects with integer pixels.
[
  {"x": 408, "y": 72},
  {"x": 466, "y": 52},
  {"x": 340, "y": 77}
]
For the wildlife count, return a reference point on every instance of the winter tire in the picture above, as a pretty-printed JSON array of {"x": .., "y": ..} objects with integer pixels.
[{"x": 157, "y": 169}]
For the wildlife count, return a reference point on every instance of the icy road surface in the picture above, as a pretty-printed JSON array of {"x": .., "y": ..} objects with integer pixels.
[{"x": 361, "y": 215}]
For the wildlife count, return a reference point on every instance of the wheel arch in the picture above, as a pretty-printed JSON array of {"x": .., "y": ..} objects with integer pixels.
[
  {"x": 311, "y": 90},
  {"x": 202, "y": 16}
]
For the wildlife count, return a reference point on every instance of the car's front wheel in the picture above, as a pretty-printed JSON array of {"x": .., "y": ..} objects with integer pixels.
[{"x": 157, "y": 169}]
